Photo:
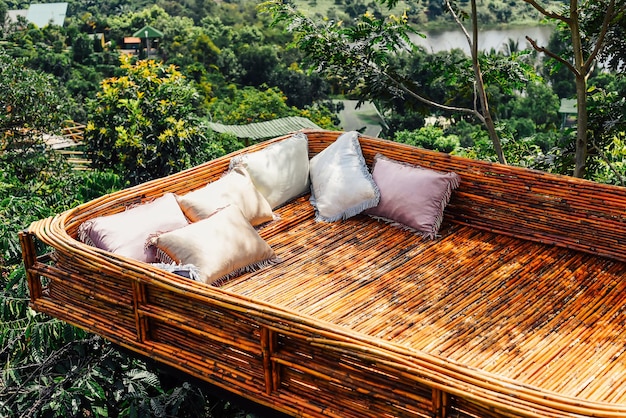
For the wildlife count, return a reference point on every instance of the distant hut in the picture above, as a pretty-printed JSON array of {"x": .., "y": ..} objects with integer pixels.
[
  {"x": 569, "y": 112},
  {"x": 131, "y": 45},
  {"x": 98, "y": 40},
  {"x": 151, "y": 35}
]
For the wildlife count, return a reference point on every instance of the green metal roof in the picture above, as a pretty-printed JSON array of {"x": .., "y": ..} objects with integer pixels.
[
  {"x": 265, "y": 130},
  {"x": 568, "y": 106},
  {"x": 150, "y": 31}
]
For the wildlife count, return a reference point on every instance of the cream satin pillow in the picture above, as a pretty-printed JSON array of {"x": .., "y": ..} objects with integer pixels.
[
  {"x": 280, "y": 171},
  {"x": 234, "y": 188},
  {"x": 341, "y": 185},
  {"x": 220, "y": 246}
]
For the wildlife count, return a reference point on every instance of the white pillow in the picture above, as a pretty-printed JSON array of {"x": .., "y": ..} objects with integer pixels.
[
  {"x": 234, "y": 188},
  {"x": 220, "y": 246},
  {"x": 280, "y": 171},
  {"x": 341, "y": 185}
]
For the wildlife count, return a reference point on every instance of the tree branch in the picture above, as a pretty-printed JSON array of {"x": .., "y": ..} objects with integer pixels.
[
  {"x": 426, "y": 101},
  {"x": 473, "y": 48},
  {"x": 546, "y": 12},
  {"x": 610, "y": 14},
  {"x": 459, "y": 23},
  {"x": 552, "y": 54}
]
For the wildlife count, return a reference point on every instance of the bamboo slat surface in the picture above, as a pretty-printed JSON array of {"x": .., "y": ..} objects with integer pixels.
[
  {"x": 516, "y": 310},
  {"x": 546, "y": 317}
]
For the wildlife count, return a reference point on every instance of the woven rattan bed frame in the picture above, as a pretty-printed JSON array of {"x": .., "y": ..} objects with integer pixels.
[{"x": 518, "y": 309}]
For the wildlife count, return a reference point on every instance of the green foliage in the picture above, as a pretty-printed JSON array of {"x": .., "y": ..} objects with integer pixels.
[
  {"x": 538, "y": 150},
  {"x": 323, "y": 114},
  {"x": 93, "y": 184},
  {"x": 607, "y": 133},
  {"x": 613, "y": 53},
  {"x": 468, "y": 140},
  {"x": 82, "y": 48},
  {"x": 609, "y": 165},
  {"x": 142, "y": 124},
  {"x": 429, "y": 137},
  {"x": 357, "y": 57},
  {"x": 29, "y": 174},
  {"x": 30, "y": 100},
  {"x": 539, "y": 104},
  {"x": 400, "y": 118},
  {"x": 248, "y": 104},
  {"x": 510, "y": 73}
]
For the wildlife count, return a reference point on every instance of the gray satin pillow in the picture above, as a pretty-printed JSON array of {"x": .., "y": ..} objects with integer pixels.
[
  {"x": 341, "y": 184},
  {"x": 412, "y": 196}
]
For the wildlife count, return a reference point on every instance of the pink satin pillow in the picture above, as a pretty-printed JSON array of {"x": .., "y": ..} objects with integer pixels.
[
  {"x": 126, "y": 233},
  {"x": 412, "y": 196}
]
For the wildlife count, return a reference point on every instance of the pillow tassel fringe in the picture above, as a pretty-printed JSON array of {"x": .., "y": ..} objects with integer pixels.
[
  {"x": 83, "y": 233},
  {"x": 163, "y": 257},
  {"x": 194, "y": 273},
  {"x": 349, "y": 212},
  {"x": 247, "y": 269}
]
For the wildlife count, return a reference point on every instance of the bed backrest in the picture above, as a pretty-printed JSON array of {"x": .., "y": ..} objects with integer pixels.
[{"x": 528, "y": 204}]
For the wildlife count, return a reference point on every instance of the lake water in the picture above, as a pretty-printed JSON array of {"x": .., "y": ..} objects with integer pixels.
[{"x": 445, "y": 40}]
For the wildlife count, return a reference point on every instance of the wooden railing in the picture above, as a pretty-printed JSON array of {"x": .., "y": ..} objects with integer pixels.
[{"x": 73, "y": 133}]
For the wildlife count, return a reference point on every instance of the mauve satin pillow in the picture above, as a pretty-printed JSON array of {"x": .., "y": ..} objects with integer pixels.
[
  {"x": 125, "y": 233},
  {"x": 412, "y": 196}
]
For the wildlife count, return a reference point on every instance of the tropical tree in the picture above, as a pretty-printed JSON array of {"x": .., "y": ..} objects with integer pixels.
[
  {"x": 482, "y": 111},
  {"x": 540, "y": 105},
  {"x": 143, "y": 124},
  {"x": 360, "y": 57},
  {"x": 32, "y": 109},
  {"x": 587, "y": 23}
]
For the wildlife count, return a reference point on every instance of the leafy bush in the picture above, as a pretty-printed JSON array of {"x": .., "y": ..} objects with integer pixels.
[
  {"x": 429, "y": 137},
  {"x": 142, "y": 124},
  {"x": 93, "y": 184}
]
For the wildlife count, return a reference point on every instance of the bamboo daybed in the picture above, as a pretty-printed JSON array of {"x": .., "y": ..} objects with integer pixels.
[{"x": 517, "y": 309}]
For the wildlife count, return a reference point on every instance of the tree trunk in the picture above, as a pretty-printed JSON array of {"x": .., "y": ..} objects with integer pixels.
[
  {"x": 480, "y": 87},
  {"x": 495, "y": 139},
  {"x": 581, "y": 126},
  {"x": 581, "y": 91}
]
